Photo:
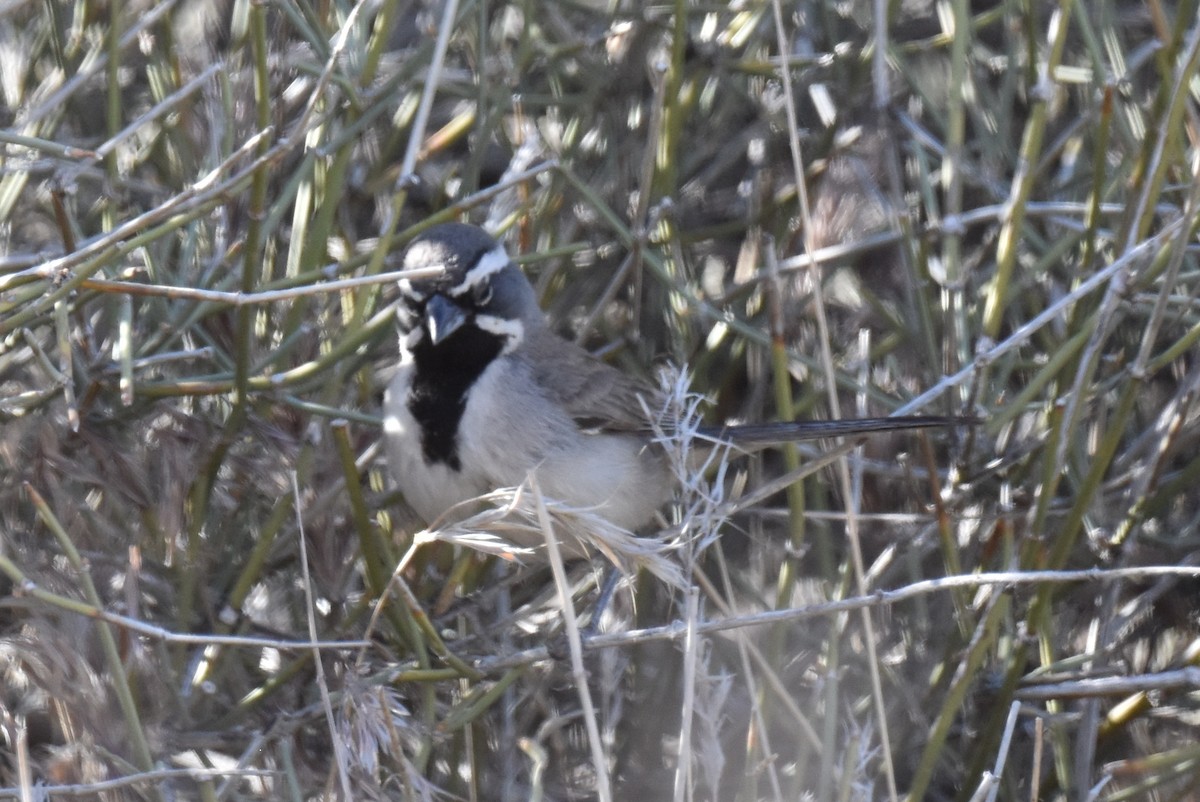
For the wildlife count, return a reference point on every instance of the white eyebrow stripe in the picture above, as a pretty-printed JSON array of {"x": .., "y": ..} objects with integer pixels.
[
  {"x": 491, "y": 262},
  {"x": 406, "y": 289}
]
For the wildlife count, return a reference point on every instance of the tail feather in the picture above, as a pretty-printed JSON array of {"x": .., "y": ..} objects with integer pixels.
[{"x": 793, "y": 431}]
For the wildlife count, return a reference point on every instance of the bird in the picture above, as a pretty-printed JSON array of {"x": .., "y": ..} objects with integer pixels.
[{"x": 487, "y": 392}]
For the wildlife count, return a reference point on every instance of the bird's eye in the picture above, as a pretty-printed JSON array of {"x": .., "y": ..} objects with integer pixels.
[
  {"x": 411, "y": 296},
  {"x": 483, "y": 295},
  {"x": 411, "y": 305}
]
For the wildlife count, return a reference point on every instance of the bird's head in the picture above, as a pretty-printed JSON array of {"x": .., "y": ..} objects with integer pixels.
[{"x": 479, "y": 288}]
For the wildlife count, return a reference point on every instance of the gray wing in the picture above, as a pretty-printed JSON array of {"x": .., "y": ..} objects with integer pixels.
[{"x": 597, "y": 396}]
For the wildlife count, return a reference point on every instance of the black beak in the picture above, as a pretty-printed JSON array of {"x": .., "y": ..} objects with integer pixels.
[{"x": 442, "y": 317}]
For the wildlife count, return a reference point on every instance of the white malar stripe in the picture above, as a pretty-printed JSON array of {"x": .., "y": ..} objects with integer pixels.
[
  {"x": 409, "y": 342},
  {"x": 511, "y": 330},
  {"x": 490, "y": 263}
]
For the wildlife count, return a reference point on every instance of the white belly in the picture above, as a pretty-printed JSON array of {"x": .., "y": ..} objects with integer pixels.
[{"x": 499, "y": 444}]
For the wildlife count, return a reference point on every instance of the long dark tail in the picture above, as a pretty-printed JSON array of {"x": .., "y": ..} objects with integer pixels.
[{"x": 788, "y": 432}]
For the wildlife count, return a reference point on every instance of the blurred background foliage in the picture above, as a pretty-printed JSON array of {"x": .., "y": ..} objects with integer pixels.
[{"x": 1001, "y": 199}]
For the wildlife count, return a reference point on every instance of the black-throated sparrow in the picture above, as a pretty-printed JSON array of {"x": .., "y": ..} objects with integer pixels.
[{"x": 486, "y": 393}]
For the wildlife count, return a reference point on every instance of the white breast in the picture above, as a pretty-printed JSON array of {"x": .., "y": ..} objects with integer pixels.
[{"x": 509, "y": 428}]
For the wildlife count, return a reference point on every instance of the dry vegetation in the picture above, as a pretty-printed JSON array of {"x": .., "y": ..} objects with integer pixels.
[{"x": 1003, "y": 202}]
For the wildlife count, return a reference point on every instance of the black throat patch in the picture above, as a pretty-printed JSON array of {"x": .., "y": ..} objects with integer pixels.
[{"x": 443, "y": 375}]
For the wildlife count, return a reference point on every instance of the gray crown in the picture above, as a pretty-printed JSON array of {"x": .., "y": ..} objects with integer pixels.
[{"x": 477, "y": 273}]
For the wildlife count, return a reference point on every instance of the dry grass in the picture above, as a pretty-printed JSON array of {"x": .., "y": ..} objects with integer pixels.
[{"x": 1005, "y": 224}]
